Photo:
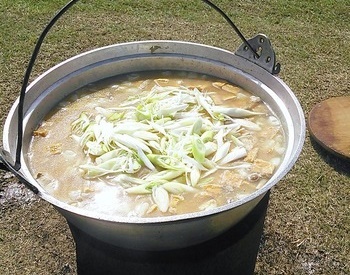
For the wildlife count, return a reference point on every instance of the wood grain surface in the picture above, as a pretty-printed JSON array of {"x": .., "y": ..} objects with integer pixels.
[{"x": 329, "y": 125}]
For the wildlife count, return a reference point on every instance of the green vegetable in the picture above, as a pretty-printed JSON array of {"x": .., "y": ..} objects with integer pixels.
[
  {"x": 176, "y": 136},
  {"x": 167, "y": 162},
  {"x": 198, "y": 149}
]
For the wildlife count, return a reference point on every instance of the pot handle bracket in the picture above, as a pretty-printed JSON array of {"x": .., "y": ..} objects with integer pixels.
[
  {"x": 263, "y": 48},
  {"x": 257, "y": 50}
]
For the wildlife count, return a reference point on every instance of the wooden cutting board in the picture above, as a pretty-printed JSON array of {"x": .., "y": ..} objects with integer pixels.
[{"x": 329, "y": 125}]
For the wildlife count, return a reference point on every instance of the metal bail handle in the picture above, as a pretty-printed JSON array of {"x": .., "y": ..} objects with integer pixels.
[
  {"x": 258, "y": 50},
  {"x": 6, "y": 161}
]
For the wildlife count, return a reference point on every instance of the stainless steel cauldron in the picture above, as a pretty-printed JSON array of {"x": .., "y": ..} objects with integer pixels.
[
  {"x": 162, "y": 233},
  {"x": 166, "y": 232}
]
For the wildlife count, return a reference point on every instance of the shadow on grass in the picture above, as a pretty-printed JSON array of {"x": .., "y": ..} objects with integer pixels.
[{"x": 338, "y": 163}]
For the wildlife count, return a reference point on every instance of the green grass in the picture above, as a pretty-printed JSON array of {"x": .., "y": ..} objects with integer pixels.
[{"x": 308, "y": 223}]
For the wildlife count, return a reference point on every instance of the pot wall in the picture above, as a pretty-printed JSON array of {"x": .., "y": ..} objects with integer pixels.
[
  {"x": 152, "y": 233},
  {"x": 159, "y": 235}
]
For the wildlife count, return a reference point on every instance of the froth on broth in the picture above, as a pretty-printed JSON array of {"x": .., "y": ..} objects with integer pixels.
[{"x": 156, "y": 144}]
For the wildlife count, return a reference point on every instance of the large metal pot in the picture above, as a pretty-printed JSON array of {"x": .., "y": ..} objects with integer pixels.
[{"x": 165, "y": 232}]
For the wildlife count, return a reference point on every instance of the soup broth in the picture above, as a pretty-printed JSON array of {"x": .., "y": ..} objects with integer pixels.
[{"x": 157, "y": 144}]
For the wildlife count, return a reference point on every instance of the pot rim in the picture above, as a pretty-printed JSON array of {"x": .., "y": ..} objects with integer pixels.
[{"x": 278, "y": 175}]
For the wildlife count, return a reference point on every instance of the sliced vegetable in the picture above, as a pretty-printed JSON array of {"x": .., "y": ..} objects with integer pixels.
[
  {"x": 177, "y": 187},
  {"x": 161, "y": 198},
  {"x": 198, "y": 149},
  {"x": 175, "y": 136},
  {"x": 234, "y": 112}
]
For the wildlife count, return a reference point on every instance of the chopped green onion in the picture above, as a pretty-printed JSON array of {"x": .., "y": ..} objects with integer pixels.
[
  {"x": 161, "y": 198},
  {"x": 177, "y": 187},
  {"x": 198, "y": 149},
  {"x": 234, "y": 112},
  {"x": 166, "y": 162},
  {"x": 174, "y": 137}
]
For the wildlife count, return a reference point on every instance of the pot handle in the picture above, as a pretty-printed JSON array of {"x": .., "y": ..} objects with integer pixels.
[
  {"x": 7, "y": 166},
  {"x": 257, "y": 50},
  {"x": 2, "y": 165},
  {"x": 6, "y": 162}
]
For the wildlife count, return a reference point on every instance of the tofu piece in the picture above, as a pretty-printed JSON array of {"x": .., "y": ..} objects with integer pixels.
[
  {"x": 271, "y": 132},
  {"x": 251, "y": 155},
  {"x": 231, "y": 88},
  {"x": 263, "y": 167},
  {"x": 55, "y": 149},
  {"x": 214, "y": 189},
  {"x": 219, "y": 84},
  {"x": 232, "y": 178},
  {"x": 40, "y": 132},
  {"x": 248, "y": 187}
]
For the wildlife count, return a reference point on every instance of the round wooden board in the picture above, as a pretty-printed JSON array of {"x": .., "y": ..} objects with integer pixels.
[{"x": 329, "y": 125}]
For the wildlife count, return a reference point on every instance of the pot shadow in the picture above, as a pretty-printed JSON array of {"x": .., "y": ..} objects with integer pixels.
[
  {"x": 233, "y": 252},
  {"x": 337, "y": 162}
]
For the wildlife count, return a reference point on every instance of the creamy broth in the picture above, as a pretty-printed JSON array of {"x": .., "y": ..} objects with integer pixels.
[{"x": 235, "y": 144}]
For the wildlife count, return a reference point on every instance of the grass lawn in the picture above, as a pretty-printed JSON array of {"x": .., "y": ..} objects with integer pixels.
[{"x": 308, "y": 220}]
